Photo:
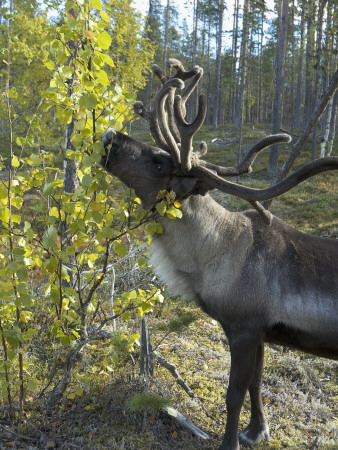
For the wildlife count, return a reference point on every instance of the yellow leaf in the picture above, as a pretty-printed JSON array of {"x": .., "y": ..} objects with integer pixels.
[
  {"x": 88, "y": 34},
  {"x": 95, "y": 4},
  {"x": 54, "y": 212},
  {"x": 69, "y": 15},
  {"x": 104, "y": 16},
  {"x": 15, "y": 161},
  {"x": 96, "y": 206}
]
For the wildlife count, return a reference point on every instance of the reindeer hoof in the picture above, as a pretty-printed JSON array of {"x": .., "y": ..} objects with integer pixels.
[{"x": 252, "y": 435}]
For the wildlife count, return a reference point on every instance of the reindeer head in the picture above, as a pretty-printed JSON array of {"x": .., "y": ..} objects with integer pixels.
[{"x": 175, "y": 165}]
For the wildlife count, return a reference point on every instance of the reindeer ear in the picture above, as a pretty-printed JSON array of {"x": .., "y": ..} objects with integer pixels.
[{"x": 185, "y": 186}]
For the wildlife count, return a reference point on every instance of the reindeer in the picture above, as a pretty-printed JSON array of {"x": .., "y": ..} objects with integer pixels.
[{"x": 262, "y": 280}]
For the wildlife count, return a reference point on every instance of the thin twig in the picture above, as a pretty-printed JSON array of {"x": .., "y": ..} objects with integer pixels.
[{"x": 7, "y": 430}]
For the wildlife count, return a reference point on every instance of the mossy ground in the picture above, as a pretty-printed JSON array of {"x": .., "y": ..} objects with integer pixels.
[{"x": 300, "y": 391}]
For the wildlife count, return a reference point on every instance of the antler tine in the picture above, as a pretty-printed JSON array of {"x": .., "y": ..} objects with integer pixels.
[
  {"x": 151, "y": 118},
  {"x": 158, "y": 129},
  {"x": 181, "y": 73},
  {"x": 246, "y": 165},
  {"x": 168, "y": 89},
  {"x": 254, "y": 195},
  {"x": 203, "y": 150},
  {"x": 195, "y": 73},
  {"x": 170, "y": 99},
  {"x": 187, "y": 130},
  {"x": 159, "y": 73},
  {"x": 194, "y": 82}
]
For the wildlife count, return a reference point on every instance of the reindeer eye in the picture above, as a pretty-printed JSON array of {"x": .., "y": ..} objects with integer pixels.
[{"x": 157, "y": 164}]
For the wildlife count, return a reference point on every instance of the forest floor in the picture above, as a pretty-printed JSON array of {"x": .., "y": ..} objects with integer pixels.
[{"x": 300, "y": 391}]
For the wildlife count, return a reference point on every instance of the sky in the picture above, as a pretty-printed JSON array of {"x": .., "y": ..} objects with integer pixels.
[
  {"x": 185, "y": 10},
  {"x": 143, "y": 6}
]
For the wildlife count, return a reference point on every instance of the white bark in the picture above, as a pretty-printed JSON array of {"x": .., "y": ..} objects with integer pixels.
[
  {"x": 327, "y": 129},
  {"x": 333, "y": 125}
]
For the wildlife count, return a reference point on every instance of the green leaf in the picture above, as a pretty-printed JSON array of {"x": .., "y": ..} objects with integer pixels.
[
  {"x": 126, "y": 316},
  {"x": 50, "y": 237},
  {"x": 161, "y": 208},
  {"x": 104, "y": 40},
  {"x": 51, "y": 264},
  {"x": 120, "y": 248},
  {"x": 55, "y": 46},
  {"x": 97, "y": 217},
  {"x": 79, "y": 391},
  {"x": 88, "y": 101},
  {"x": 146, "y": 307},
  {"x": 142, "y": 261},
  {"x": 153, "y": 228},
  {"x": 22, "y": 274},
  {"x": 86, "y": 181},
  {"x": 26, "y": 300}
]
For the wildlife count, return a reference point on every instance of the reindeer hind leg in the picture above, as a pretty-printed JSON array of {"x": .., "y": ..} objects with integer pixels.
[{"x": 258, "y": 428}]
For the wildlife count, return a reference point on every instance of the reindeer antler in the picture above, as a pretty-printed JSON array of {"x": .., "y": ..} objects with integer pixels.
[{"x": 174, "y": 135}]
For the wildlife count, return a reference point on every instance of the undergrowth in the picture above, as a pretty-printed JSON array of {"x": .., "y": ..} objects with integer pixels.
[{"x": 100, "y": 409}]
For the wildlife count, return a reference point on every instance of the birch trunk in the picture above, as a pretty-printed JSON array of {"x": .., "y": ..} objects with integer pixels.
[
  {"x": 318, "y": 67},
  {"x": 327, "y": 129},
  {"x": 333, "y": 125}
]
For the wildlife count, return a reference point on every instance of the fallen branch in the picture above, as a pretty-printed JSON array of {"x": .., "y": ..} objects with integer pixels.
[
  {"x": 172, "y": 369},
  {"x": 20, "y": 436},
  {"x": 185, "y": 423}
]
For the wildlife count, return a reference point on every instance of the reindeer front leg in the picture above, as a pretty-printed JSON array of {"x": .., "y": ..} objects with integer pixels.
[{"x": 244, "y": 353}]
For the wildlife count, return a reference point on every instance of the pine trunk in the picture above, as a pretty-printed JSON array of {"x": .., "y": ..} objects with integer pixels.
[
  {"x": 166, "y": 27},
  {"x": 218, "y": 67},
  {"x": 232, "y": 89},
  {"x": 318, "y": 67},
  {"x": 309, "y": 82},
  {"x": 243, "y": 65},
  {"x": 278, "y": 99},
  {"x": 299, "y": 94}
]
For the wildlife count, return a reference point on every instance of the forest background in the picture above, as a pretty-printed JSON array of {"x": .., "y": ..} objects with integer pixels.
[{"x": 74, "y": 280}]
